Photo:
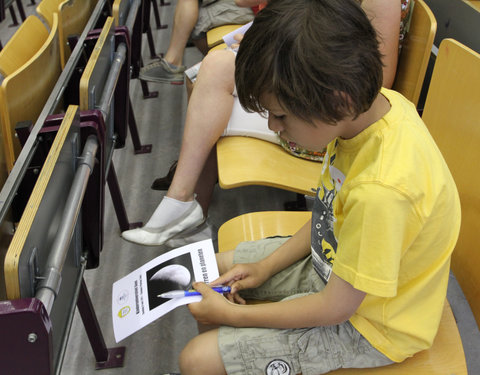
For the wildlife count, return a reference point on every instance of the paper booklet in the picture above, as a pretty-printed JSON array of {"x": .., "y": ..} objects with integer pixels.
[
  {"x": 135, "y": 297},
  {"x": 229, "y": 38}
]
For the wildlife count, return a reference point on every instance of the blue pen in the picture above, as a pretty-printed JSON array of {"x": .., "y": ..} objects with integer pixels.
[{"x": 192, "y": 292}]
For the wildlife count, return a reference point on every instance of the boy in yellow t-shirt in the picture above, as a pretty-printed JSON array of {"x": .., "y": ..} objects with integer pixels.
[{"x": 363, "y": 283}]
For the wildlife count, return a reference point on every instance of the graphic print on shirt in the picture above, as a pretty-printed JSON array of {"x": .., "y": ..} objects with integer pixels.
[{"x": 324, "y": 243}]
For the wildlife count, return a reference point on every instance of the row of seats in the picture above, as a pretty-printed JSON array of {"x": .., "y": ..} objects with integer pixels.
[
  {"x": 37, "y": 53},
  {"x": 73, "y": 62},
  {"x": 31, "y": 65}
]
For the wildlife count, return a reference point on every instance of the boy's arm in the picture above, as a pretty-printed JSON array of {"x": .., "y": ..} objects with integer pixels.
[
  {"x": 243, "y": 276},
  {"x": 333, "y": 305}
]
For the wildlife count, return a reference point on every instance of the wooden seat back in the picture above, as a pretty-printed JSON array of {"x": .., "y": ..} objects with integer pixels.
[
  {"x": 120, "y": 10},
  {"x": 49, "y": 236},
  {"x": 94, "y": 78},
  {"x": 215, "y": 35},
  {"x": 73, "y": 16},
  {"x": 21, "y": 47},
  {"x": 46, "y": 9},
  {"x": 24, "y": 92},
  {"x": 452, "y": 115},
  {"x": 415, "y": 54}
]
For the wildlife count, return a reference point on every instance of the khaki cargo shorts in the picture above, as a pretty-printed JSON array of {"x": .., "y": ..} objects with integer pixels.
[
  {"x": 217, "y": 13},
  {"x": 310, "y": 351}
]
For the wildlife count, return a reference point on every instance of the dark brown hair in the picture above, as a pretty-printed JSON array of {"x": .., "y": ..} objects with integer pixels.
[{"x": 319, "y": 58}]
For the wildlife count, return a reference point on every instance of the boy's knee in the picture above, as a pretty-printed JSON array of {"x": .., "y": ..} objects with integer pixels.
[
  {"x": 191, "y": 356},
  {"x": 201, "y": 356},
  {"x": 225, "y": 261},
  {"x": 186, "y": 360}
]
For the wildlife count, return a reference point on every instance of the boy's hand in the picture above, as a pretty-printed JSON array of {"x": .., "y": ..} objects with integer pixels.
[
  {"x": 212, "y": 308},
  {"x": 242, "y": 276}
]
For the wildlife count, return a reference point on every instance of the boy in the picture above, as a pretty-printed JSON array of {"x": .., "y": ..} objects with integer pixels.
[{"x": 363, "y": 283}]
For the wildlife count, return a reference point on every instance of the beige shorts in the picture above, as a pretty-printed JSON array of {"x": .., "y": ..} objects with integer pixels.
[
  {"x": 310, "y": 351},
  {"x": 220, "y": 12}
]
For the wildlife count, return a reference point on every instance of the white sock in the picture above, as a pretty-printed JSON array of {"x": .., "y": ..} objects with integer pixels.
[{"x": 168, "y": 210}]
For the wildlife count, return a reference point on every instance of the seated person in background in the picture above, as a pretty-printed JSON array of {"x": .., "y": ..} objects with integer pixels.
[
  {"x": 185, "y": 205},
  {"x": 363, "y": 283},
  {"x": 192, "y": 19}
]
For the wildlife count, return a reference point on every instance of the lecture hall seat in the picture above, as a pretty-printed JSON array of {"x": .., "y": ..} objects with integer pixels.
[
  {"x": 73, "y": 16},
  {"x": 24, "y": 91},
  {"x": 416, "y": 51}
]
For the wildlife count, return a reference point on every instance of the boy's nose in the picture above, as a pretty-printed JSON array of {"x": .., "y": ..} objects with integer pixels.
[{"x": 274, "y": 124}]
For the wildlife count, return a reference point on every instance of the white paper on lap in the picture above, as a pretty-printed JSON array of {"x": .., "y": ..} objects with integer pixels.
[{"x": 247, "y": 124}]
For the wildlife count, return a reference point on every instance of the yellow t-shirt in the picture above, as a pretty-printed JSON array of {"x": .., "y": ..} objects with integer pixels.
[{"x": 395, "y": 218}]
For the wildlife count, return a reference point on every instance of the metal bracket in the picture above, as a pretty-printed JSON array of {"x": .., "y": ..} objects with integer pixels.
[{"x": 33, "y": 271}]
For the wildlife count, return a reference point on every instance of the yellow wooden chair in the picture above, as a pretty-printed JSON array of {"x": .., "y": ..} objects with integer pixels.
[
  {"x": 215, "y": 35},
  {"x": 23, "y": 44},
  {"x": 73, "y": 15},
  {"x": 446, "y": 355},
  {"x": 452, "y": 115},
  {"x": 416, "y": 49},
  {"x": 453, "y": 118},
  {"x": 257, "y": 225},
  {"x": 34, "y": 213},
  {"x": 249, "y": 161},
  {"x": 46, "y": 8},
  {"x": 120, "y": 9},
  {"x": 24, "y": 92},
  {"x": 21, "y": 47},
  {"x": 93, "y": 81},
  {"x": 97, "y": 68},
  {"x": 475, "y": 4},
  {"x": 252, "y": 164}
]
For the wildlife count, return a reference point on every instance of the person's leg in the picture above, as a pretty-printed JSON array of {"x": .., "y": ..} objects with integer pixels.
[
  {"x": 206, "y": 182},
  {"x": 202, "y": 356},
  {"x": 207, "y": 115},
  {"x": 169, "y": 69},
  {"x": 315, "y": 350},
  {"x": 184, "y": 20},
  {"x": 225, "y": 261}
]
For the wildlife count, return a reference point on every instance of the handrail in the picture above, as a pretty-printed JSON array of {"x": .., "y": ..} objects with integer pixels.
[
  {"x": 51, "y": 280},
  {"x": 112, "y": 79},
  {"x": 132, "y": 15}
]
